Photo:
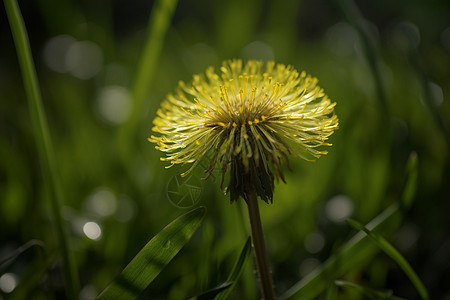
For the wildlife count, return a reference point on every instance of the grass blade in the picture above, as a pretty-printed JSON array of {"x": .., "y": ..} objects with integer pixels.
[
  {"x": 159, "y": 22},
  {"x": 359, "y": 247},
  {"x": 150, "y": 261},
  {"x": 384, "y": 245},
  {"x": 42, "y": 135},
  {"x": 210, "y": 294},
  {"x": 369, "y": 293},
  {"x": 354, "y": 252},
  {"x": 4, "y": 263},
  {"x": 410, "y": 187},
  {"x": 237, "y": 270}
]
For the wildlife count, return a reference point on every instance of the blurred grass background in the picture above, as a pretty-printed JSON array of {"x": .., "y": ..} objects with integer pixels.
[{"x": 117, "y": 192}]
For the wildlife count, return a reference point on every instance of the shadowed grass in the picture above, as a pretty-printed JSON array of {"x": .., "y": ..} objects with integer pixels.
[
  {"x": 159, "y": 22},
  {"x": 384, "y": 245},
  {"x": 42, "y": 135}
]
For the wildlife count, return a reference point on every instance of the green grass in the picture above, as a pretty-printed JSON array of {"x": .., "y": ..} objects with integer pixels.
[
  {"x": 68, "y": 165},
  {"x": 45, "y": 147}
]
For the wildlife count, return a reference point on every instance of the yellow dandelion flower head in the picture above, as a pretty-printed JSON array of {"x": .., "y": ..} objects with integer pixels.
[{"x": 251, "y": 117}]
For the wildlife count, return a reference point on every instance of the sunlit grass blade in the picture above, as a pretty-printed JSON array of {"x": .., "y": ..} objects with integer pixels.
[
  {"x": 353, "y": 253},
  {"x": 45, "y": 147},
  {"x": 237, "y": 270},
  {"x": 159, "y": 22},
  {"x": 152, "y": 259},
  {"x": 390, "y": 250},
  {"x": 367, "y": 292}
]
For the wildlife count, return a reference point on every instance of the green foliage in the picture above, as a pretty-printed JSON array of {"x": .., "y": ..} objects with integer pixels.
[
  {"x": 237, "y": 270},
  {"x": 152, "y": 259},
  {"x": 384, "y": 245},
  {"x": 110, "y": 179},
  {"x": 367, "y": 292}
]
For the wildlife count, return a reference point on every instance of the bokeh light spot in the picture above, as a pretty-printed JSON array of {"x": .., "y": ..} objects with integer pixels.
[
  {"x": 114, "y": 104},
  {"x": 437, "y": 95},
  {"x": 126, "y": 210},
  {"x": 8, "y": 282},
  {"x": 406, "y": 36},
  {"x": 55, "y": 51},
  {"x": 314, "y": 242},
  {"x": 92, "y": 230},
  {"x": 339, "y": 208},
  {"x": 102, "y": 203},
  {"x": 445, "y": 39},
  {"x": 257, "y": 50},
  {"x": 308, "y": 265},
  {"x": 84, "y": 59},
  {"x": 341, "y": 39}
]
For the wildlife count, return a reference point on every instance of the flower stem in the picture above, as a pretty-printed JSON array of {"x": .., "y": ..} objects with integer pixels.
[{"x": 262, "y": 261}]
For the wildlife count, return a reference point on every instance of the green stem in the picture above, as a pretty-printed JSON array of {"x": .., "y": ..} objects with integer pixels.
[
  {"x": 262, "y": 261},
  {"x": 46, "y": 154}
]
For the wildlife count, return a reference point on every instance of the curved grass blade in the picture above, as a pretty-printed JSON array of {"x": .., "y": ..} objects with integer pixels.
[
  {"x": 358, "y": 248},
  {"x": 369, "y": 293},
  {"x": 210, "y": 294},
  {"x": 384, "y": 245},
  {"x": 150, "y": 261},
  {"x": 237, "y": 270},
  {"x": 4, "y": 263},
  {"x": 350, "y": 257},
  {"x": 44, "y": 143}
]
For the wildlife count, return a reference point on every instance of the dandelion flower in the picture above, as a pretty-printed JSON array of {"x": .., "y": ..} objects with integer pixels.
[{"x": 250, "y": 117}]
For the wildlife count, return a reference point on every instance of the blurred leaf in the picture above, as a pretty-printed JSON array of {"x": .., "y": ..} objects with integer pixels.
[
  {"x": 4, "y": 263},
  {"x": 150, "y": 261},
  {"x": 332, "y": 292},
  {"x": 354, "y": 252},
  {"x": 358, "y": 248},
  {"x": 33, "y": 281},
  {"x": 237, "y": 270},
  {"x": 411, "y": 180},
  {"x": 370, "y": 293},
  {"x": 210, "y": 294},
  {"x": 159, "y": 22},
  {"x": 395, "y": 255}
]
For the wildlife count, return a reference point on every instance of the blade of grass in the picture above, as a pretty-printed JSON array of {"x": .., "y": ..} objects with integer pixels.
[
  {"x": 150, "y": 261},
  {"x": 412, "y": 173},
  {"x": 210, "y": 294},
  {"x": 350, "y": 257},
  {"x": 159, "y": 21},
  {"x": 6, "y": 262},
  {"x": 358, "y": 248},
  {"x": 390, "y": 250},
  {"x": 237, "y": 270},
  {"x": 35, "y": 280},
  {"x": 369, "y": 293},
  {"x": 45, "y": 148},
  {"x": 331, "y": 292}
]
